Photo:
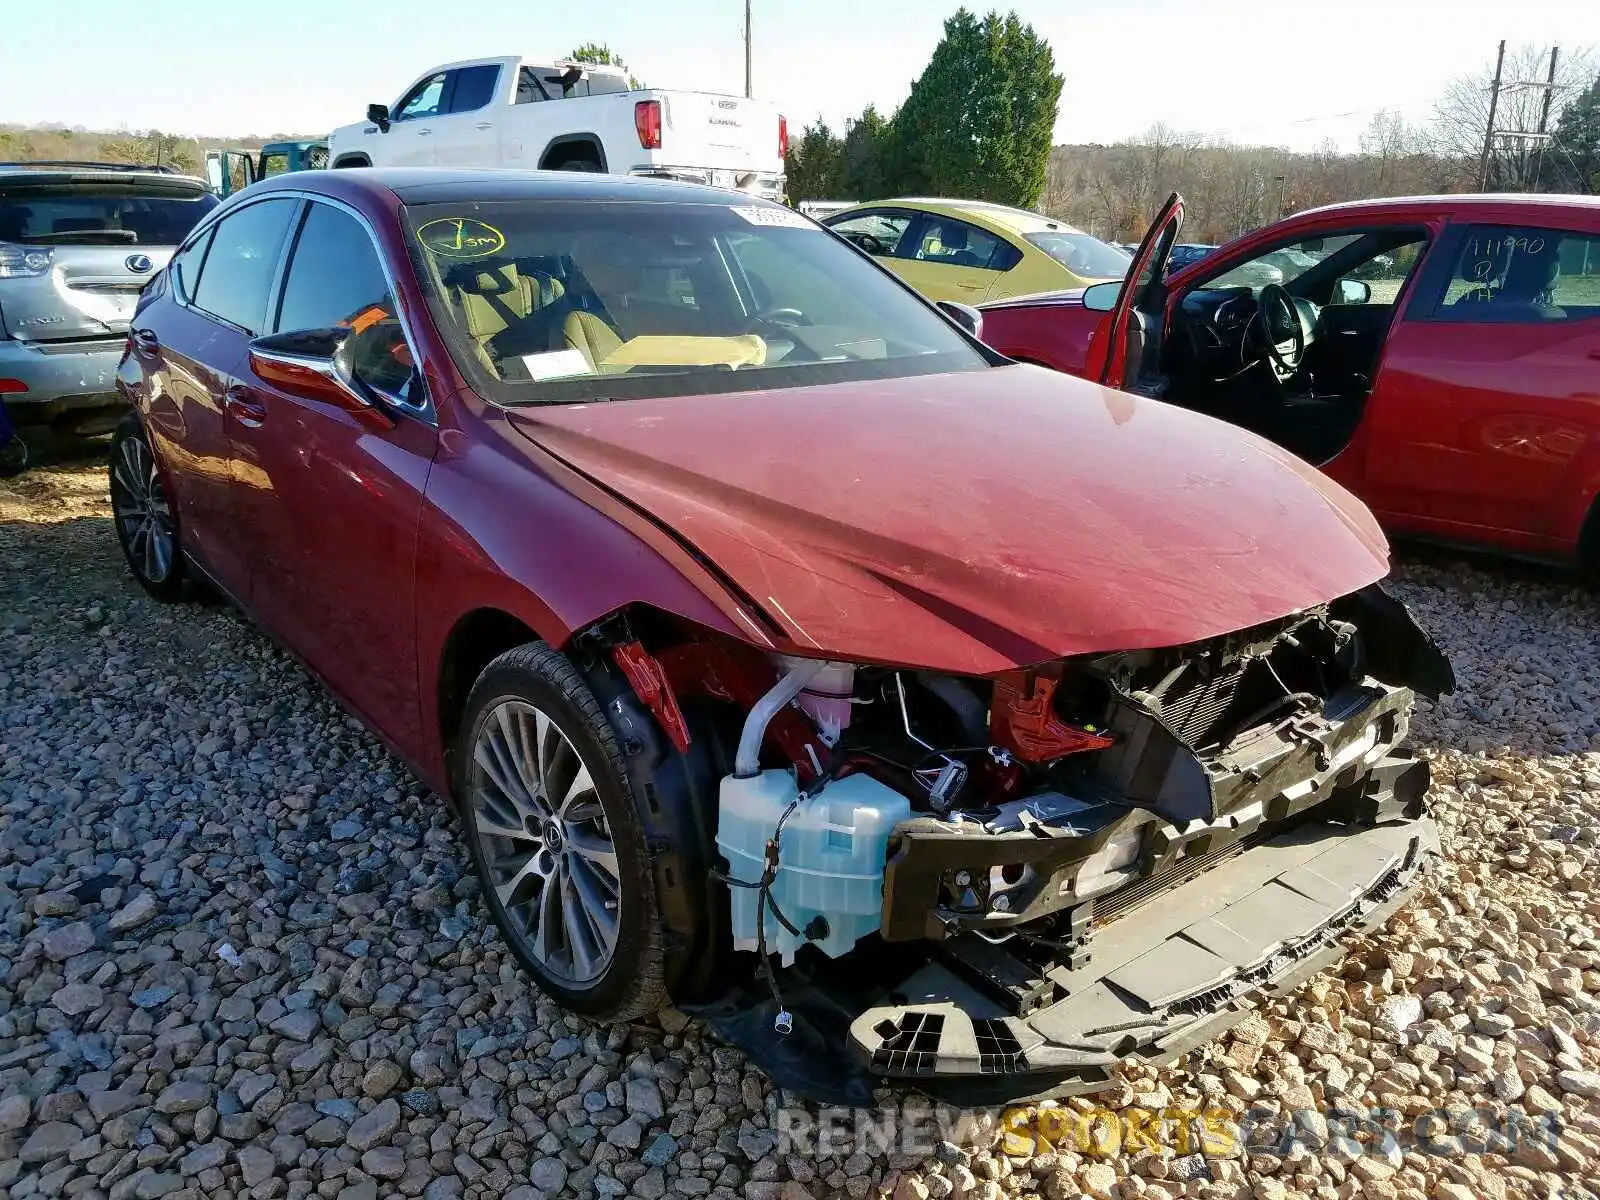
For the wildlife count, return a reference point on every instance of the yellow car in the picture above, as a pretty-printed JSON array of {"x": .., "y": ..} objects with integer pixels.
[{"x": 972, "y": 251}]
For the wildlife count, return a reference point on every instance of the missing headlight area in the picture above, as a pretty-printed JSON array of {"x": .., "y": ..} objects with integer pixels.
[{"x": 994, "y": 886}]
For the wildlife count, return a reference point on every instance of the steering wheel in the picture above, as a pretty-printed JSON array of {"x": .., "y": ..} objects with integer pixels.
[
  {"x": 779, "y": 316},
  {"x": 1282, "y": 357}
]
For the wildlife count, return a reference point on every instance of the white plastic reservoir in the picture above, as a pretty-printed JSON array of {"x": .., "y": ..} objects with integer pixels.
[{"x": 830, "y": 857}]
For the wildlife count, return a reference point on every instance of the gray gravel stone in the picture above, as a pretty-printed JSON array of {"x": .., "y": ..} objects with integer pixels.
[
  {"x": 135, "y": 913},
  {"x": 548, "y": 1175},
  {"x": 375, "y": 1126},
  {"x": 66, "y": 941},
  {"x": 171, "y": 785}
]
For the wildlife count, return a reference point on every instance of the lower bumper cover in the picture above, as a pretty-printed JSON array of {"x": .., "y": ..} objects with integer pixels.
[
  {"x": 61, "y": 377},
  {"x": 1169, "y": 975}
]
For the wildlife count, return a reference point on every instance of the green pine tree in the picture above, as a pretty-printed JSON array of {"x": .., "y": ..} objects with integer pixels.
[
  {"x": 1575, "y": 152},
  {"x": 978, "y": 121}
]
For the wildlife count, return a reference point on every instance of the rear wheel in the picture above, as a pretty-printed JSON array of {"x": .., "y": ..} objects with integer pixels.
[
  {"x": 556, "y": 839},
  {"x": 577, "y": 164},
  {"x": 13, "y": 457},
  {"x": 146, "y": 528}
]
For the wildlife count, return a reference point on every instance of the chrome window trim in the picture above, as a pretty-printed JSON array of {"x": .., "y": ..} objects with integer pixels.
[{"x": 425, "y": 411}]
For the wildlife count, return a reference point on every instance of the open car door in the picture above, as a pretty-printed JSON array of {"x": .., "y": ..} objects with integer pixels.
[{"x": 1130, "y": 350}]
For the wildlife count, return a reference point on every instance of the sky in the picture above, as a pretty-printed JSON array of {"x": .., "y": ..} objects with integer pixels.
[{"x": 1260, "y": 71}]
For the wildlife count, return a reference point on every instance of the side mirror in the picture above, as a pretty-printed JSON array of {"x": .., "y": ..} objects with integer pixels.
[
  {"x": 1354, "y": 291},
  {"x": 378, "y": 114},
  {"x": 963, "y": 315},
  {"x": 1102, "y": 297},
  {"x": 314, "y": 364}
]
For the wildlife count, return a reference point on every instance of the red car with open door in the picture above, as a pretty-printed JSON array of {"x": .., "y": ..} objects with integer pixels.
[{"x": 1437, "y": 355}]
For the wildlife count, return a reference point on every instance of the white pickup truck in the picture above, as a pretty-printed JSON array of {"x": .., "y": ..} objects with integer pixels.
[{"x": 569, "y": 116}]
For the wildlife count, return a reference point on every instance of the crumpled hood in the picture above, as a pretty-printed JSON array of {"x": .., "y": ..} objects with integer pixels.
[{"x": 979, "y": 520}]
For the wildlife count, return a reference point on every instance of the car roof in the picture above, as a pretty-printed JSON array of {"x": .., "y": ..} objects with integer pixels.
[
  {"x": 1017, "y": 220},
  {"x": 431, "y": 185},
  {"x": 54, "y": 170},
  {"x": 1465, "y": 202}
]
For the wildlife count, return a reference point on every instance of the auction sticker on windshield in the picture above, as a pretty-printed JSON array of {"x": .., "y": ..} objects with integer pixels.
[
  {"x": 759, "y": 214},
  {"x": 461, "y": 237}
]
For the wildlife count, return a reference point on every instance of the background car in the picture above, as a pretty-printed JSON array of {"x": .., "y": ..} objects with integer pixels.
[
  {"x": 969, "y": 250},
  {"x": 624, "y": 510},
  {"x": 77, "y": 243},
  {"x": 1183, "y": 254},
  {"x": 1436, "y": 355}
]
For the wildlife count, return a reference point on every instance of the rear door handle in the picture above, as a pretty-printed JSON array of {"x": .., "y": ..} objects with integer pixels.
[
  {"x": 146, "y": 340},
  {"x": 244, "y": 407},
  {"x": 484, "y": 125},
  {"x": 424, "y": 133}
]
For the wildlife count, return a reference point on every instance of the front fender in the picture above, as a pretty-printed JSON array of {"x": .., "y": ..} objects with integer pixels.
[{"x": 499, "y": 533}]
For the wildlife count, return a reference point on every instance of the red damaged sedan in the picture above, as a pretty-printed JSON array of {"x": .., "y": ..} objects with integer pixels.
[
  {"x": 1436, "y": 355},
  {"x": 786, "y": 653}
]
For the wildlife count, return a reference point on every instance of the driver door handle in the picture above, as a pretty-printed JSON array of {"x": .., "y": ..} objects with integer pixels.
[
  {"x": 424, "y": 133},
  {"x": 244, "y": 407}
]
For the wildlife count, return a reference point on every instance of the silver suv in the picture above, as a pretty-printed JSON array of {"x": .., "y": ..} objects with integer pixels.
[{"x": 78, "y": 241}]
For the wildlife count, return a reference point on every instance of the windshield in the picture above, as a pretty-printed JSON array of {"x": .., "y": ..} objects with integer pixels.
[
  {"x": 102, "y": 213},
  {"x": 1085, "y": 256},
  {"x": 558, "y": 301},
  {"x": 1283, "y": 264}
]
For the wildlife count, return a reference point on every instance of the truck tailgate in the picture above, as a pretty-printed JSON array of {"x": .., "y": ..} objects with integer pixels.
[{"x": 721, "y": 132}]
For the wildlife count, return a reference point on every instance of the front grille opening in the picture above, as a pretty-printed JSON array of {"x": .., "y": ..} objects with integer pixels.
[{"x": 1212, "y": 691}]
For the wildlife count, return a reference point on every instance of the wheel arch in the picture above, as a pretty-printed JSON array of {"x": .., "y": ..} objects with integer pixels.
[
  {"x": 569, "y": 146},
  {"x": 477, "y": 639},
  {"x": 350, "y": 160}
]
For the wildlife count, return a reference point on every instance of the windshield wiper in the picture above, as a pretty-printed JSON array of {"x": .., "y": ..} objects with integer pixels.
[{"x": 109, "y": 236}]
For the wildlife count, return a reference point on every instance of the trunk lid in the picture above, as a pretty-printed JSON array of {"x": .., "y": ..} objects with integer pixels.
[{"x": 978, "y": 520}]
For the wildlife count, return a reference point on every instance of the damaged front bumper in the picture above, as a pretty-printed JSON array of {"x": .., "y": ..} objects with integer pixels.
[
  {"x": 1023, "y": 958},
  {"x": 1189, "y": 963}
]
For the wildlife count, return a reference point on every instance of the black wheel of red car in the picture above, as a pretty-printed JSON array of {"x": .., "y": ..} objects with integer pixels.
[
  {"x": 555, "y": 837},
  {"x": 13, "y": 457},
  {"x": 147, "y": 529}
]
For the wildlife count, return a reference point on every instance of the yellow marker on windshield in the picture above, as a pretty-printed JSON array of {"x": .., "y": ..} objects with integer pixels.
[{"x": 461, "y": 237}]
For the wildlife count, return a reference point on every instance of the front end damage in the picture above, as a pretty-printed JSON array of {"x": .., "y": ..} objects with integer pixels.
[{"x": 998, "y": 888}]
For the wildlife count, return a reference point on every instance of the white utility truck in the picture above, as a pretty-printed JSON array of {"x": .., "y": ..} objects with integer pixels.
[{"x": 569, "y": 116}]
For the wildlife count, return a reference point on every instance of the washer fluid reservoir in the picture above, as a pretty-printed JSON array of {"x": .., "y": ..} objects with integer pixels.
[{"x": 830, "y": 857}]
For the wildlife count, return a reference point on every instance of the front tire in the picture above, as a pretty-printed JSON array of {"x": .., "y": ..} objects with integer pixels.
[
  {"x": 147, "y": 529},
  {"x": 555, "y": 837}
]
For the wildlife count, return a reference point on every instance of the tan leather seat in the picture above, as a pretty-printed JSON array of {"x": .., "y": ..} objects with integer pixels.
[
  {"x": 499, "y": 299},
  {"x": 589, "y": 334}
]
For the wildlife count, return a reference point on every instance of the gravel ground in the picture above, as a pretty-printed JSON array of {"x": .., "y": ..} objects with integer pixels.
[{"x": 240, "y": 952}]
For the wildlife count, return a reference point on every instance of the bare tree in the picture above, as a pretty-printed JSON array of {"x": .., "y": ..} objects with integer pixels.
[{"x": 1461, "y": 116}]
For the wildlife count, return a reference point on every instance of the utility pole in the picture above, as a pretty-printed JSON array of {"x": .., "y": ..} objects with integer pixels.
[
  {"x": 1488, "y": 133},
  {"x": 748, "y": 92},
  {"x": 1544, "y": 115}
]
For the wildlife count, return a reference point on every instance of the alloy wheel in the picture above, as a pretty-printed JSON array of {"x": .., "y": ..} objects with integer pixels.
[
  {"x": 544, "y": 839},
  {"x": 143, "y": 515}
]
